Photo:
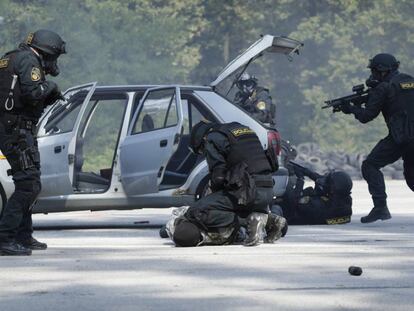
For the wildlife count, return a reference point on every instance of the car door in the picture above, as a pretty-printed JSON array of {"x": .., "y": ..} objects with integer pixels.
[
  {"x": 56, "y": 139},
  {"x": 152, "y": 138}
]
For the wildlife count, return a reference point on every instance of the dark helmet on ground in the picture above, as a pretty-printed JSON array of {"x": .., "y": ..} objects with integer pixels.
[
  {"x": 383, "y": 62},
  {"x": 246, "y": 83},
  {"x": 186, "y": 234},
  {"x": 197, "y": 135},
  {"x": 340, "y": 183},
  {"x": 47, "y": 42}
]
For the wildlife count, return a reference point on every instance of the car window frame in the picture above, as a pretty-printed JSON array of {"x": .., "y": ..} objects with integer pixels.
[{"x": 141, "y": 106}]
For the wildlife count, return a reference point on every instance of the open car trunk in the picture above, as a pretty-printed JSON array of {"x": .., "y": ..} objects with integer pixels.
[{"x": 225, "y": 81}]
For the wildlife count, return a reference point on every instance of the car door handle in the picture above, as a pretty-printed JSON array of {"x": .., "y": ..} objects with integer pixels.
[
  {"x": 163, "y": 143},
  {"x": 58, "y": 149}
]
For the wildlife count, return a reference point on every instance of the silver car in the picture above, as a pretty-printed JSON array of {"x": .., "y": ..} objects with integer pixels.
[{"x": 126, "y": 147}]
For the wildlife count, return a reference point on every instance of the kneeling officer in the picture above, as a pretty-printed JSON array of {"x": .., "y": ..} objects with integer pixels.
[
  {"x": 242, "y": 186},
  {"x": 24, "y": 93}
]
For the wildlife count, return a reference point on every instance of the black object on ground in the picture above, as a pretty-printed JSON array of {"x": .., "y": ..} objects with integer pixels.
[{"x": 353, "y": 270}]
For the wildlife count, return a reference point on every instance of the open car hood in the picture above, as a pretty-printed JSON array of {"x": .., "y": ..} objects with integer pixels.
[{"x": 268, "y": 43}]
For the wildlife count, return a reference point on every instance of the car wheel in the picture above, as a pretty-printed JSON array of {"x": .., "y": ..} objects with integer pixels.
[
  {"x": 203, "y": 188},
  {"x": 3, "y": 200}
]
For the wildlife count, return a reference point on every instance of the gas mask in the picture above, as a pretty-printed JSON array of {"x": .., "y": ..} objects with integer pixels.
[
  {"x": 50, "y": 65},
  {"x": 247, "y": 87},
  {"x": 372, "y": 82}
]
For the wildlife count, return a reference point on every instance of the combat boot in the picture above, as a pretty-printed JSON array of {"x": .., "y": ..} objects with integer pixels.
[
  {"x": 276, "y": 227},
  {"x": 14, "y": 249},
  {"x": 375, "y": 214},
  {"x": 33, "y": 244},
  {"x": 256, "y": 223}
]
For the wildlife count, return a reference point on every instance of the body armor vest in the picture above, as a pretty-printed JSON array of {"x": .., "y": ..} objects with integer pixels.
[
  {"x": 400, "y": 111},
  {"x": 245, "y": 147},
  {"x": 10, "y": 95}
]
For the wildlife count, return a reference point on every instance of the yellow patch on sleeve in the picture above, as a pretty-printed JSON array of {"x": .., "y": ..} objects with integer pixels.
[
  {"x": 407, "y": 85},
  {"x": 261, "y": 105},
  {"x": 4, "y": 63},
  {"x": 36, "y": 75},
  {"x": 29, "y": 38}
]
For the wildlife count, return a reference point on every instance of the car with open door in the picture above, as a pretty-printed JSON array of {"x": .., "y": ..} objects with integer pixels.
[{"x": 126, "y": 147}]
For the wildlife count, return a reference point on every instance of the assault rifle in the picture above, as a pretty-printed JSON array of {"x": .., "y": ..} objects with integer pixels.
[{"x": 359, "y": 97}]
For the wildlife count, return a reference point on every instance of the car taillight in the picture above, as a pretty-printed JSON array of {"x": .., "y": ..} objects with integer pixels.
[{"x": 274, "y": 141}]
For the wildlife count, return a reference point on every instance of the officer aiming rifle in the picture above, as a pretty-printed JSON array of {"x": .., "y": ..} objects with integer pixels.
[{"x": 359, "y": 97}]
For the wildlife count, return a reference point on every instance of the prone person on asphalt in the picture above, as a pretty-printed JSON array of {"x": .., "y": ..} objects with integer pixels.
[
  {"x": 328, "y": 202},
  {"x": 392, "y": 94},
  {"x": 24, "y": 93},
  {"x": 242, "y": 190}
]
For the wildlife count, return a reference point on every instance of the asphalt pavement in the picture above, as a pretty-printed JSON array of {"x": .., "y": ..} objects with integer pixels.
[{"x": 115, "y": 260}]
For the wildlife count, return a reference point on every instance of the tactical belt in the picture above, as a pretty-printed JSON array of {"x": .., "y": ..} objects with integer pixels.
[
  {"x": 263, "y": 181},
  {"x": 13, "y": 121}
]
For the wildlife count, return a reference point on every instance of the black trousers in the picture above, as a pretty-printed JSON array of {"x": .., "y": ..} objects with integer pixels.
[
  {"x": 387, "y": 151},
  {"x": 16, "y": 219},
  {"x": 219, "y": 209}
]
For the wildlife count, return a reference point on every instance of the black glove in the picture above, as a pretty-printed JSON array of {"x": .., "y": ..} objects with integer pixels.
[
  {"x": 347, "y": 108},
  {"x": 54, "y": 94},
  {"x": 299, "y": 172}
]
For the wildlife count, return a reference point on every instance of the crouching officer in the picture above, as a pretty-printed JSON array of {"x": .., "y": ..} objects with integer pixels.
[
  {"x": 328, "y": 202},
  {"x": 392, "y": 94},
  {"x": 255, "y": 99},
  {"x": 24, "y": 93},
  {"x": 242, "y": 186}
]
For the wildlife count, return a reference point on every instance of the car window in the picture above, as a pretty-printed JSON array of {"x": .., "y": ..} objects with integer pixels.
[
  {"x": 100, "y": 130},
  {"x": 63, "y": 116},
  {"x": 159, "y": 110}
]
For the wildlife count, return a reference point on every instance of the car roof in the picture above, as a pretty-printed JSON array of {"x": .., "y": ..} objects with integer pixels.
[{"x": 136, "y": 88}]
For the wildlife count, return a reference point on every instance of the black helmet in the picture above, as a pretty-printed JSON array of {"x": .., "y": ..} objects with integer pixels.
[
  {"x": 383, "y": 62},
  {"x": 340, "y": 183},
  {"x": 186, "y": 234},
  {"x": 246, "y": 83},
  {"x": 47, "y": 42},
  {"x": 197, "y": 134}
]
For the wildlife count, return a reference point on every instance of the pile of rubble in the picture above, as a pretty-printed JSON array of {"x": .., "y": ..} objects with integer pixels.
[{"x": 311, "y": 156}]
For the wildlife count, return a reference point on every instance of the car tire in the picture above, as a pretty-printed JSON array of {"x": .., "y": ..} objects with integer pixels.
[
  {"x": 3, "y": 200},
  {"x": 203, "y": 188}
]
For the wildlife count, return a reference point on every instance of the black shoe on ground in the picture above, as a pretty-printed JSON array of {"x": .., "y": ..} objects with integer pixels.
[
  {"x": 163, "y": 232},
  {"x": 375, "y": 214},
  {"x": 276, "y": 227},
  {"x": 256, "y": 223},
  {"x": 33, "y": 244},
  {"x": 14, "y": 249}
]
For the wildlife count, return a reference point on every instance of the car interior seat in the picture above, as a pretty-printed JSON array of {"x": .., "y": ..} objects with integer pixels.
[{"x": 147, "y": 123}]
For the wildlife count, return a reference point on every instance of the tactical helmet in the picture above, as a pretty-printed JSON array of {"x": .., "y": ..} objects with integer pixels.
[
  {"x": 340, "y": 183},
  {"x": 246, "y": 83},
  {"x": 47, "y": 42},
  {"x": 186, "y": 234},
  {"x": 383, "y": 62},
  {"x": 197, "y": 135}
]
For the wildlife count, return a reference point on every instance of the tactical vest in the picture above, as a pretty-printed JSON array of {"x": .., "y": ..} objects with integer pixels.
[
  {"x": 245, "y": 147},
  {"x": 401, "y": 110},
  {"x": 10, "y": 99}
]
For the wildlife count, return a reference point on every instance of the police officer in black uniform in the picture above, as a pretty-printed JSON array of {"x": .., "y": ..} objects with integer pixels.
[
  {"x": 328, "y": 202},
  {"x": 392, "y": 94},
  {"x": 255, "y": 99},
  {"x": 24, "y": 93},
  {"x": 241, "y": 182}
]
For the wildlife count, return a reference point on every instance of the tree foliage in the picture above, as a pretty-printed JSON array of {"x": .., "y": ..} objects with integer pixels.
[{"x": 189, "y": 41}]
